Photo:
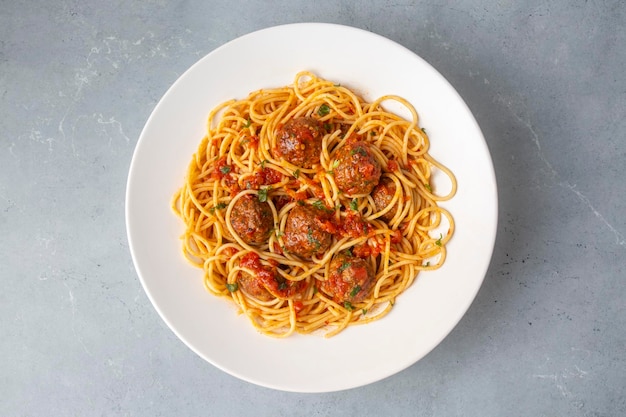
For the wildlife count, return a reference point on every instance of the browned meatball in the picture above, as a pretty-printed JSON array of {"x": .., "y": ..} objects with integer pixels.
[
  {"x": 299, "y": 141},
  {"x": 252, "y": 219},
  {"x": 304, "y": 231},
  {"x": 252, "y": 286},
  {"x": 382, "y": 195},
  {"x": 358, "y": 171},
  {"x": 350, "y": 279}
]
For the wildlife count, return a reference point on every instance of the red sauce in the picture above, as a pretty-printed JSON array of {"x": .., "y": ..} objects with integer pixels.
[
  {"x": 363, "y": 251},
  {"x": 269, "y": 278},
  {"x": 354, "y": 226},
  {"x": 392, "y": 165},
  {"x": 254, "y": 142},
  {"x": 396, "y": 237},
  {"x": 221, "y": 169},
  {"x": 266, "y": 176}
]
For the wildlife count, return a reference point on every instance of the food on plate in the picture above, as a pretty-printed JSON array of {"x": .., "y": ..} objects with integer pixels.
[{"x": 312, "y": 209}]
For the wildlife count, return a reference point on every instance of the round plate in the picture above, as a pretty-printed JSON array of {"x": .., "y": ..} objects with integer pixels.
[{"x": 422, "y": 317}]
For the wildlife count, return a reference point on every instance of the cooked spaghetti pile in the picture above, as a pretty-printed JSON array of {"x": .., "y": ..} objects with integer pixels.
[{"x": 312, "y": 209}]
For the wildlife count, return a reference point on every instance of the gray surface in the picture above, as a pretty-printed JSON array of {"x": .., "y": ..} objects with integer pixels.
[{"x": 547, "y": 333}]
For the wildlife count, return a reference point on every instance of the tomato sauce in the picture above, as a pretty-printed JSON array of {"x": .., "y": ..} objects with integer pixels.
[
  {"x": 392, "y": 165},
  {"x": 269, "y": 278}
]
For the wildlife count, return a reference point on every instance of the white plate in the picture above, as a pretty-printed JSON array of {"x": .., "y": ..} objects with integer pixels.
[{"x": 421, "y": 318}]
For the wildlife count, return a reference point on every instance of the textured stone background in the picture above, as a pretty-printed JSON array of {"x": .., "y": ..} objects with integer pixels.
[{"x": 546, "y": 335}]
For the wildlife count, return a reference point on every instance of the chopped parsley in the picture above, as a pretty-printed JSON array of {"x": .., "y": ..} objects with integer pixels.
[
  {"x": 344, "y": 266},
  {"x": 328, "y": 127},
  {"x": 364, "y": 311},
  {"x": 428, "y": 187},
  {"x": 263, "y": 194},
  {"x": 438, "y": 241},
  {"x": 319, "y": 204},
  {"x": 312, "y": 240},
  {"x": 263, "y": 163},
  {"x": 423, "y": 130},
  {"x": 355, "y": 290},
  {"x": 219, "y": 206},
  {"x": 296, "y": 173},
  {"x": 248, "y": 123},
  {"x": 323, "y": 110},
  {"x": 333, "y": 166},
  {"x": 225, "y": 169},
  {"x": 354, "y": 204},
  {"x": 360, "y": 150},
  {"x": 232, "y": 287},
  {"x": 348, "y": 305}
]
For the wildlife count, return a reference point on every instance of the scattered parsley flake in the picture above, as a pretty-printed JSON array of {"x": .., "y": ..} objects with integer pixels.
[
  {"x": 296, "y": 173},
  {"x": 323, "y": 110},
  {"x": 355, "y": 290},
  {"x": 438, "y": 241},
  {"x": 428, "y": 187},
  {"x": 354, "y": 204},
  {"x": 225, "y": 169},
  {"x": 319, "y": 204},
  {"x": 263, "y": 194},
  {"x": 360, "y": 150},
  {"x": 219, "y": 206},
  {"x": 343, "y": 267},
  {"x": 232, "y": 287},
  {"x": 348, "y": 306}
]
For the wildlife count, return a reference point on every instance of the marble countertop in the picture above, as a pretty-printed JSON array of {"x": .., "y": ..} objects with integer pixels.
[{"x": 546, "y": 335}]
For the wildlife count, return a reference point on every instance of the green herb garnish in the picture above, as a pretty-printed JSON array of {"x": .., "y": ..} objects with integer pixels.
[
  {"x": 296, "y": 173},
  {"x": 263, "y": 194},
  {"x": 348, "y": 305},
  {"x": 355, "y": 291},
  {"x": 219, "y": 206},
  {"x": 428, "y": 187},
  {"x": 232, "y": 287},
  {"x": 248, "y": 123},
  {"x": 312, "y": 240},
  {"x": 343, "y": 267},
  {"x": 364, "y": 311},
  {"x": 323, "y": 110},
  {"x": 438, "y": 241},
  {"x": 225, "y": 169},
  {"x": 360, "y": 150},
  {"x": 319, "y": 204},
  {"x": 354, "y": 204}
]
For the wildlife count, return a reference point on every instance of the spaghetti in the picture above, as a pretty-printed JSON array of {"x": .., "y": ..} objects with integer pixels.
[{"x": 312, "y": 209}]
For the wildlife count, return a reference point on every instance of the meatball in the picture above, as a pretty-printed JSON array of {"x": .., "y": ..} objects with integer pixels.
[
  {"x": 252, "y": 286},
  {"x": 358, "y": 171},
  {"x": 252, "y": 219},
  {"x": 382, "y": 195},
  {"x": 304, "y": 232},
  {"x": 350, "y": 279},
  {"x": 299, "y": 141}
]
